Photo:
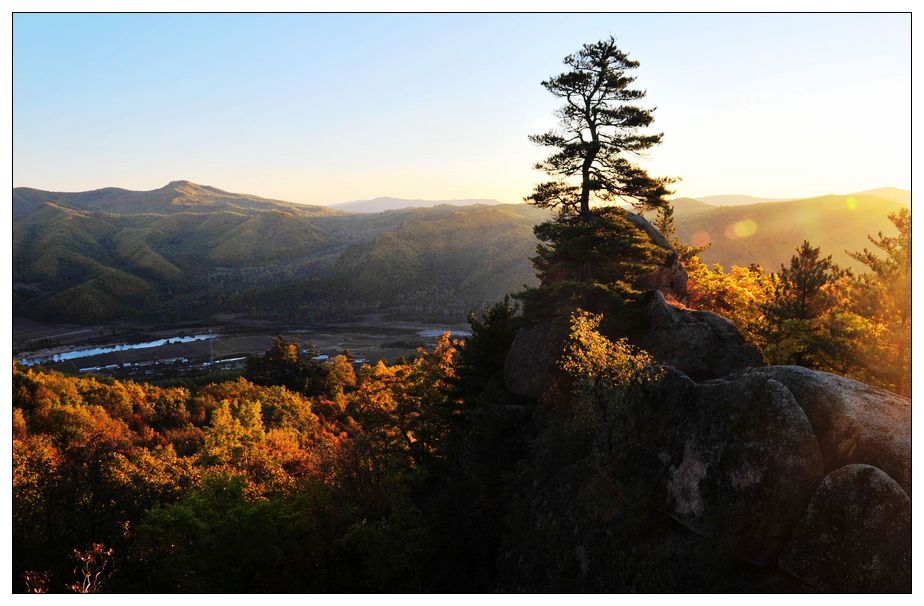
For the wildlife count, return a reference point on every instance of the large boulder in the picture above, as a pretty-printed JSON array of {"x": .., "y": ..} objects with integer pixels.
[
  {"x": 573, "y": 531},
  {"x": 740, "y": 458},
  {"x": 702, "y": 344},
  {"x": 533, "y": 358},
  {"x": 855, "y": 423},
  {"x": 855, "y": 535},
  {"x": 736, "y": 460}
]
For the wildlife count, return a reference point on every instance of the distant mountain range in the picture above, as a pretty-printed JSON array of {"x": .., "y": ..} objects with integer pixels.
[
  {"x": 187, "y": 251},
  {"x": 378, "y": 205},
  {"x": 768, "y": 232},
  {"x": 735, "y": 200},
  {"x": 382, "y": 204},
  {"x": 902, "y": 196},
  {"x": 175, "y": 197}
]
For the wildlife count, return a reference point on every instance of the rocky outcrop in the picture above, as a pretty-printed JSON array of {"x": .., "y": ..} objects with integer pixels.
[
  {"x": 738, "y": 460},
  {"x": 741, "y": 458},
  {"x": 855, "y": 535},
  {"x": 772, "y": 478},
  {"x": 700, "y": 343},
  {"x": 799, "y": 472},
  {"x": 671, "y": 278},
  {"x": 854, "y": 423}
]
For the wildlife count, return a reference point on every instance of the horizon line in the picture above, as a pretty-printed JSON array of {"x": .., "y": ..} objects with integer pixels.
[{"x": 475, "y": 200}]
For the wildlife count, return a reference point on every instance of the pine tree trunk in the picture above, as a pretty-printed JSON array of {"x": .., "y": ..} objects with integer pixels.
[{"x": 585, "y": 190}]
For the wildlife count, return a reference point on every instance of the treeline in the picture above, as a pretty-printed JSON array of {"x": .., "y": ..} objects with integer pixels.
[{"x": 816, "y": 314}]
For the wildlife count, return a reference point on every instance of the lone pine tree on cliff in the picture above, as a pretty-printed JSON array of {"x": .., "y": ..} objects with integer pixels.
[
  {"x": 595, "y": 257},
  {"x": 600, "y": 129}
]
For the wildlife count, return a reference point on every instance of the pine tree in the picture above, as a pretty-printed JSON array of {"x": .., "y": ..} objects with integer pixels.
[
  {"x": 482, "y": 357},
  {"x": 890, "y": 291},
  {"x": 599, "y": 127},
  {"x": 799, "y": 293},
  {"x": 665, "y": 221},
  {"x": 594, "y": 258},
  {"x": 801, "y": 323}
]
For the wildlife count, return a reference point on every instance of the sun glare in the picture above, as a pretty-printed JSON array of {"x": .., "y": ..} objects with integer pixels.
[{"x": 742, "y": 229}]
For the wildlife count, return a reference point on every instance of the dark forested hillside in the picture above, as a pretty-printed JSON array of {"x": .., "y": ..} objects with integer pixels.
[
  {"x": 441, "y": 263},
  {"x": 187, "y": 251}
]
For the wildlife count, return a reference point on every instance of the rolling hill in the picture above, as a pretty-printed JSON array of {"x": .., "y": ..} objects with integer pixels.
[
  {"x": 92, "y": 256},
  {"x": 902, "y": 196},
  {"x": 768, "y": 233},
  {"x": 377, "y": 205},
  {"x": 735, "y": 200},
  {"x": 176, "y": 196},
  {"x": 186, "y": 252}
]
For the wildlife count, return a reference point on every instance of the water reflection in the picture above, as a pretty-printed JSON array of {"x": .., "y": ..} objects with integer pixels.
[{"x": 95, "y": 351}]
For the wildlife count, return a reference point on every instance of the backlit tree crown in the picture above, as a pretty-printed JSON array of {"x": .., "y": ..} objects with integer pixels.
[{"x": 598, "y": 127}]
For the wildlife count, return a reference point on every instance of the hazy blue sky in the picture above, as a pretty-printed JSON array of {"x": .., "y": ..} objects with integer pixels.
[{"x": 328, "y": 108}]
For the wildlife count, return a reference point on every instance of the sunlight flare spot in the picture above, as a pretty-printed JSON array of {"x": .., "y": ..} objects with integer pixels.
[
  {"x": 701, "y": 238},
  {"x": 746, "y": 228},
  {"x": 742, "y": 229},
  {"x": 852, "y": 203}
]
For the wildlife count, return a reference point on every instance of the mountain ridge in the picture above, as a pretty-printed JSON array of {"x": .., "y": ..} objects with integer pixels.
[
  {"x": 186, "y": 250},
  {"x": 896, "y": 194},
  {"x": 386, "y": 203},
  {"x": 175, "y": 194},
  {"x": 736, "y": 199}
]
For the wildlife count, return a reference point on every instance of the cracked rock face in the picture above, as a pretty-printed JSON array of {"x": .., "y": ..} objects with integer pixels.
[
  {"x": 803, "y": 473},
  {"x": 789, "y": 466},
  {"x": 739, "y": 459}
]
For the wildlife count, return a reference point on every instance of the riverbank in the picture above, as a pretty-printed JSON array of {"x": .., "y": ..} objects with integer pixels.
[{"x": 155, "y": 351}]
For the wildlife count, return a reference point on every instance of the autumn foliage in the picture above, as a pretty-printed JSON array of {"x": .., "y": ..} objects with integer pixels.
[
  {"x": 233, "y": 487},
  {"x": 302, "y": 476},
  {"x": 815, "y": 314}
]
